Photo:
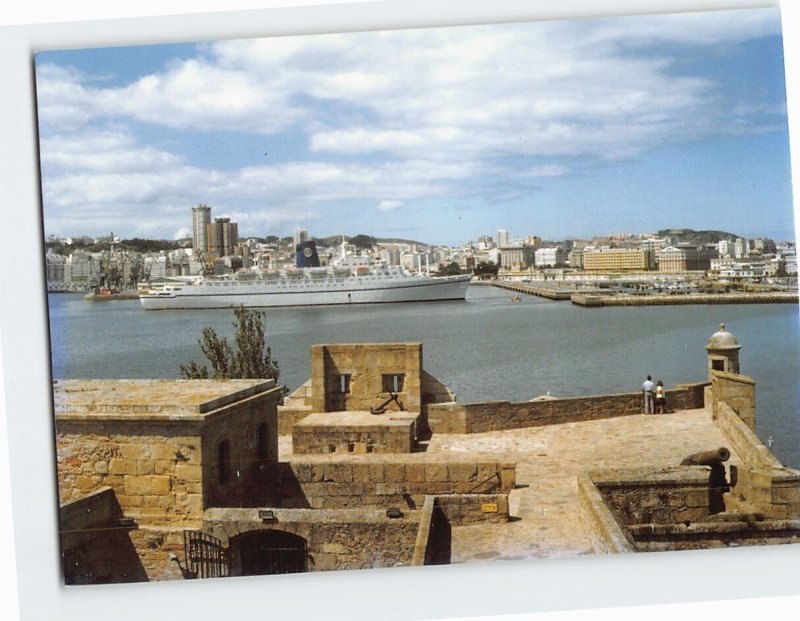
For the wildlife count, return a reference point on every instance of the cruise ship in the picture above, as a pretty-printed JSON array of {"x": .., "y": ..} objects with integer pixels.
[{"x": 352, "y": 280}]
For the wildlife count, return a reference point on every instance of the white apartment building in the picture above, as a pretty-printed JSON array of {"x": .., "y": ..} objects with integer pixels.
[{"x": 550, "y": 257}]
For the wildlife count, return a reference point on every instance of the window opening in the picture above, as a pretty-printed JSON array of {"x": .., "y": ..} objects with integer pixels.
[{"x": 393, "y": 382}]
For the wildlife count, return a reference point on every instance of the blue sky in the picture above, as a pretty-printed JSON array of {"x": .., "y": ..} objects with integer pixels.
[{"x": 559, "y": 129}]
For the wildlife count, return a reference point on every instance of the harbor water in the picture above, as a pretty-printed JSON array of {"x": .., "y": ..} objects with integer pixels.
[{"x": 486, "y": 348}]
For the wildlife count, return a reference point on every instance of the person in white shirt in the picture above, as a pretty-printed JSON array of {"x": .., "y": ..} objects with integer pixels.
[{"x": 647, "y": 390}]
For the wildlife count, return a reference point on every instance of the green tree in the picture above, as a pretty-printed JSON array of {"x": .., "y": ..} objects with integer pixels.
[
  {"x": 486, "y": 269},
  {"x": 451, "y": 269},
  {"x": 251, "y": 358}
]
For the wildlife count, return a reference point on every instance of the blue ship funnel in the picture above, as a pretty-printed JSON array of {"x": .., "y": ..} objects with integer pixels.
[{"x": 306, "y": 254}]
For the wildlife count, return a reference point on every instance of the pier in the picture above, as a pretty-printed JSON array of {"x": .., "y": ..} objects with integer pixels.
[
  {"x": 551, "y": 293},
  {"x": 599, "y": 298}
]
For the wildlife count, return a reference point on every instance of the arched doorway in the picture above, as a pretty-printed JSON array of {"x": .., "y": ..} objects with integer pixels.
[{"x": 261, "y": 552}]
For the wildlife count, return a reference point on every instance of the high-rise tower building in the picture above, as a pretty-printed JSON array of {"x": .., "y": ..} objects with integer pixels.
[
  {"x": 201, "y": 218},
  {"x": 502, "y": 238},
  {"x": 300, "y": 236}
]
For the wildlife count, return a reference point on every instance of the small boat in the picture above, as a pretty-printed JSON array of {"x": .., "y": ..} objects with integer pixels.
[{"x": 515, "y": 298}]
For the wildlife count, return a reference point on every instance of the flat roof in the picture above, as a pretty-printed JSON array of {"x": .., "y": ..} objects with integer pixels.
[
  {"x": 357, "y": 418},
  {"x": 116, "y": 399}
]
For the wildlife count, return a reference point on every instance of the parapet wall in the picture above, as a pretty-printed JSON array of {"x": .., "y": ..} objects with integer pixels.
[
  {"x": 738, "y": 391},
  {"x": 499, "y": 415},
  {"x": 364, "y": 483},
  {"x": 618, "y": 508},
  {"x": 743, "y": 439}
]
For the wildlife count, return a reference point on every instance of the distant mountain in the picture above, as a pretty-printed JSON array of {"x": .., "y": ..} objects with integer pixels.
[{"x": 697, "y": 237}]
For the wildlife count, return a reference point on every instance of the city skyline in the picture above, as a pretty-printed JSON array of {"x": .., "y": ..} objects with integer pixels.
[{"x": 558, "y": 129}]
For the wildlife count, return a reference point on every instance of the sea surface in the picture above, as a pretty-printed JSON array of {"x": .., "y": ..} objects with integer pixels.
[{"x": 486, "y": 348}]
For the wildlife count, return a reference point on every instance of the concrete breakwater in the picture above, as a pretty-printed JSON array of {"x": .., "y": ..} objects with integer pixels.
[
  {"x": 592, "y": 301},
  {"x": 551, "y": 293},
  {"x": 595, "y": 299}
]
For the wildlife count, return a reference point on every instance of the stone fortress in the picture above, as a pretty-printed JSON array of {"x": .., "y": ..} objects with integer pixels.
[{"x": 373, "y": 463}]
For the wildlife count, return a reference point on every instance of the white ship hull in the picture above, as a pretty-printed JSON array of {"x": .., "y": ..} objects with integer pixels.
[{"x": 303, "y": 291}]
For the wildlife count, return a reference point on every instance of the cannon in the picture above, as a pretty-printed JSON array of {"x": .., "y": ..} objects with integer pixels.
[
  {"x": 707, "y": 458},
  {"x": 717, "y": 481}
]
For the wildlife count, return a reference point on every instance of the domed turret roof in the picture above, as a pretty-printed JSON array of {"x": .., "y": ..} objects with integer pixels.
[{"x": 722, "y": 340}]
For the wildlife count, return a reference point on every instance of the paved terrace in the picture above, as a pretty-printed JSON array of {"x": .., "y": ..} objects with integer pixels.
[{"x": 548, "y": 460}]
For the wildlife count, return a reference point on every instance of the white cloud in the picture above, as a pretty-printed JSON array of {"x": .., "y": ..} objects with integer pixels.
[
  {"x": 390, "y": 205},
  {"x": 549, "y": 170},
  {"x": 414, "y": 114}
]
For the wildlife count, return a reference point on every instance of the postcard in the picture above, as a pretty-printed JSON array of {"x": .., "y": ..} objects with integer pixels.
[{"x": 444, "y": 295}]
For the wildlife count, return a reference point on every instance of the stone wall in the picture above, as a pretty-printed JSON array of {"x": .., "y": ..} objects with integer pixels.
[
  {"x": 138, "y": 460},
  {"x": 96, "y": 546},
  {"x": 154, "y": 544},
  {"x": 738, "y": 391},
  {"x": 742, "y": 438},
  {"x": 295, "y": 408},
  {"x": 434, "y": 537},
  {"x": 345, "y": 539},
  {"x": 771, "y": 492},
  {"x": 365, "y": 363},
  {"x": 665, "y": 496},
  {"x": 499, "y": 415},
  {"x": 361, "y": 482},
  {"x": 606, "y": 533},
  {"x": 716, "y": 534},
  {"x": 355, "y": 432},
  {"x": 248, "y": 463},
  {"x": 473, "y": 508},
  {"x": 612, "y": 504},
  {"x": 761, "y": 485}
]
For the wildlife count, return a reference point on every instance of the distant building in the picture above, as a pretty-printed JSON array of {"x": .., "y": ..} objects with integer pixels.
[
  {"x": 617, "y": 259},
  {"x": 682, "y": 259},
  {"x": 516, "y": 257},
  {"x": 223, "y": 235},
  {"x": 739, "y": 270},
  {"x": 299, "y": 236},
  {"x": 156, "y": 267},
  {"x": 81, "y": 269},
  {"x": 201, "y": 218},
  {"x": 654, "y": 244},
  {"x": 764, "y": 245},
  {"x": 55, "y": 264},
  {"x": 550, "y": 257},
  {"x": 485, "y": 242},
  {"x": 741, "y": 248},
  {"x": 502, "y": 238},
  {"x": 575, "y": 258}
]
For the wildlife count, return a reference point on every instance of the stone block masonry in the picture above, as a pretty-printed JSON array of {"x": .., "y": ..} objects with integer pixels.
[
  {"x": 157, "y": 443},
  {"x": 355, "y": 432},
  {"x": 738, "y": 391},
  {"x": 351, "y": 376},
  {"x": 343, "y": 539},
  {"x": 498, "y": 415},
  {"x": 361, "y": 481}
]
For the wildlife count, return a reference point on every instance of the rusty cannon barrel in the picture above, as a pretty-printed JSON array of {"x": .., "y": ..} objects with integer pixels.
[{"x": 707, "y": 458}]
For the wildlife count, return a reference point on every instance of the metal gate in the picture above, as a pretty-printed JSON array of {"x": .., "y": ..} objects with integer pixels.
[
  {"x": 205, "y": 555},
  {"x": 269, "y": 552}
]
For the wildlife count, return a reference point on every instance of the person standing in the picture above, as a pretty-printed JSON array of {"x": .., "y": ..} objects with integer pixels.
[
  {"x": 661, "y": 398},
  {"x": 647, "y": 390}
]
